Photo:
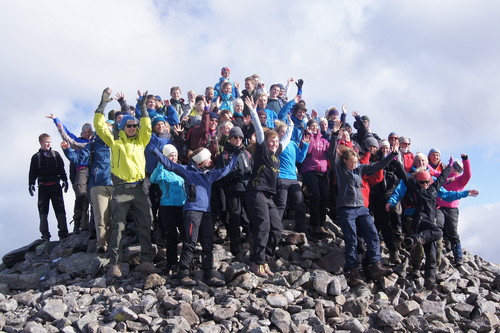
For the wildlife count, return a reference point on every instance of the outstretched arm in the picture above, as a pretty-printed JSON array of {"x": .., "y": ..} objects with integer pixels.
[{"x": 259, "y": 132}]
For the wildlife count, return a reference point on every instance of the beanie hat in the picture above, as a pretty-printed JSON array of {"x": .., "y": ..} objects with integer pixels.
[
  {"x": 213, "y": 115},
  {"x": 312, "y": 121},
  {"x": 119, "y": 113},
  {"x": 203, "y": 155},
  {"x": 434, "y": 150},
  {"x": 347, "y": 125},
  {"x": 280, "y": 86},
  {"x": 365, "y": 118},
  {"x": 126, "y": 118},
  {"x": 158, "y": 98},
  {"x": 235, "y": 131},
  {"x": 393, "y": 134},
  {"x": 168, "y": 149},
  {"x": 225, "y": 69},
  {"x": 86, "y": 126},
  {"x": 371, "y": 142},
  {"x": 332, "y": 112},
  {"x": 404, "y": 139},
  {"x": 322, "y": 119},
  {"x": 423, "y": 175},
  {"x": 156, "y": 118},
  {"x": 195, "y": 120},
  {"x": 383, "y": 143}
]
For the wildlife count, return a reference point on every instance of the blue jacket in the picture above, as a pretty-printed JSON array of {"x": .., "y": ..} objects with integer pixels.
[
  {"x": 74, "y": 137},
  {"x": 198, "y": 182},
  {"x": 98, "y": 154},
  {"x": 169, "y": 113},
  {"x": 299, "y": 125},
  {"x": 289, "y": 157},
  {"x": 173, "y": 191}
]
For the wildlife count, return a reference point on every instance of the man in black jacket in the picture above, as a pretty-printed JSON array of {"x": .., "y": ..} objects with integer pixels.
[{"x": 48, "y": 167}]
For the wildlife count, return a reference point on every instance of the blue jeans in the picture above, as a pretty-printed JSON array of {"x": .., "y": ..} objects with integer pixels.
[{"x": 352, "y": 219}]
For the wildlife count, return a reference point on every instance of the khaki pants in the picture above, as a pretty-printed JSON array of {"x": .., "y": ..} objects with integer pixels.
[{"x": 100, "y": 197}]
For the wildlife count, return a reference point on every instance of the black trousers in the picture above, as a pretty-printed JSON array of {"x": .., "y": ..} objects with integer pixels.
[
  {"x": 289, "y": 190},
  {"x": 173, "y": 224},
  {"x": 447, "y": 220},
  {"x": 383, "y": 220},
  {"x": 235, "y": 203},
  {"x": 46, "y": 194},
  {"x": 265, "y": 225},
  {"x": 197, "y": 225},
  {"x": 317, "y": 186},
  {"x": 430, "y": 233}
]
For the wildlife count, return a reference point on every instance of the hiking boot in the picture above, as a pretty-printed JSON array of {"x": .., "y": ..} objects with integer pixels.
[
  {"x": 258, "y": 270},
  {"x": 377, "y": 270},
  {"x": 101, "y": 249},
  {"x": 211, "y": 279},
  {"x": 268, "y": 270},
  {"x": 322, "y": 232},
  {"x": 114, "y": 272},
  {"x": 394, "y": 257},
  {"x": 147, "y": 267},
  {"x": 354, "y": 277}
]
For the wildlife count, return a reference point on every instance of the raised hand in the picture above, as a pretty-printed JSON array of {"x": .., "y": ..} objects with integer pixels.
[
  {"x": 178, "y": 129},
  {"x": 250, "y": 102},
  {"x": 51, "y": 116},
  {"x": 473, "y": 193},
  {"x": 299, "y": 83},
  {"x": 119, "y": 95},
  {"x": 306, "y": 138},
  {"x": 64, "y": 145},
  {"x": 355, "y": 114},
  {"x": 344, "y": 108},
  {"x": 314, "y": 114},
  {"x": 106, "y": 95},
  {"x": 297, "y": 98}
]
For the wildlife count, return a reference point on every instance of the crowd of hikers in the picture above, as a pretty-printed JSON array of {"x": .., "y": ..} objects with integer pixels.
[{"x": 180, "y": 169}]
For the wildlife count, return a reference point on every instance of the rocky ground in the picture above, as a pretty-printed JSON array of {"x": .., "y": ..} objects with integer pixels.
[{"x": 62, "y": 287}]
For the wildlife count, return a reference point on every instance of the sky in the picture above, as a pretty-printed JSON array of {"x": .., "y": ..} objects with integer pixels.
[{"x": 427, "y": 70}]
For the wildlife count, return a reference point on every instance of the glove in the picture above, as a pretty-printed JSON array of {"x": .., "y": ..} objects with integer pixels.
[
  {"x": 299, "y": 83},
  {"x": 65, "y": 186},
  {"x": 31, "y": 189},
  {"x": 105, "y": 99},
  {"x": 142, "y": 105},
  {"x": 450, "y": 162},
  {"x": 464, "y": 157}
]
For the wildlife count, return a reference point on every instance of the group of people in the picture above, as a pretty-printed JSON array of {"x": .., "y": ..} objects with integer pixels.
[{"x": 244, "y": 159}]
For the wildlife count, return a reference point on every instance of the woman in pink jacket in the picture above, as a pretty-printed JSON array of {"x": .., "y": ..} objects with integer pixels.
[
  {"x": 315, "y": 176},
  {"x": 447, "y": 212}
]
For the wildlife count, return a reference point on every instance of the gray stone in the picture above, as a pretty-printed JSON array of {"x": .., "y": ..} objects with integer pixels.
[
  {"x": 154, "y": 280},
  {"x": 282, "y": 320},
  {"x": 353, "y": 325},
  {"x": 223, "y": 313},
  {"x": 463, "y": 309},
  {"x": 407, "y": 307},
  {"x": 20, "y": 281},
  {"x": 178, "y": 322},
  {"x": 431, "y": 306},
  {"x": 184, "y": 294},
  {"x": 302, "y": 279},
  {"x": 357, "y": 307},
  {"x": 135, "y": 326},
  {"x": 321, "y": 281},
  {"x": 7, "y": 305},
  {"x": 82, "y": 263},
  {"x": 53, "y": 309},
  {"x": 246, "y": 281},
  {"x": 234, "y": 269},
  {"x": 184, "y": 310},
  {"x": 277, "y": 300},
  {"x": 388, "y": 317},
  {"x": 122, "y": 313},
  {"x": 335, "y": 287},
  {"x": 85, "y": 320}
]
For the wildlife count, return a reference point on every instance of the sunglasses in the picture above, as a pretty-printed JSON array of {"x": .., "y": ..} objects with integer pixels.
[
  {"x": 393, "y": 138},
  {"x": 423, "y": 182},
  {"x": 131, "y": 125},
  {"x": 237, "y": 137}
]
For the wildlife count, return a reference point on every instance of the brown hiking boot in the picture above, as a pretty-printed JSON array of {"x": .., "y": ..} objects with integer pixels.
[
  {"x": 114, "y": 272},
  {"x": 268, "y": 270},
  {"x": 258, "y": 270},
  {"x": 322, "y": 232},
  {"x": 147, "y": 267},
  {"x": 377, "y": 270},
  {"x": 354, "y": 277}
]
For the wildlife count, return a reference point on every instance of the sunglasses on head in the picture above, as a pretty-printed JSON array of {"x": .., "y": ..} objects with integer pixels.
[
  {"x": 424, "y": 182},
  {"x": 131, "y": 125}
]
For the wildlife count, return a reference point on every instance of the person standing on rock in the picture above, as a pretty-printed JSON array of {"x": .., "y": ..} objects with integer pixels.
[
  {"x": 265, "y": 222},
  {"x": 353, "y": 215},
  {"x": 197, "y": 215},
  {"x": 128, "y": 165},
  {"x": 47, "y": 167}
]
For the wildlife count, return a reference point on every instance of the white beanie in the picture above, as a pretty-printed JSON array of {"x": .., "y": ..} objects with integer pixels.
[
  {"x": 203, "y": 155},
  {"x": 383, "y": 143},
  {"x": 169, "y": 149}
]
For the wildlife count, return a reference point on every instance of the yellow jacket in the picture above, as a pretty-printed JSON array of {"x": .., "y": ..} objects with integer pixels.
[{"x": 127, "y": 154}]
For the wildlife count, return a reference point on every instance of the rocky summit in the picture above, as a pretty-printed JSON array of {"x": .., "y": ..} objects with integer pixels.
[{"x": 62, "y": 287}]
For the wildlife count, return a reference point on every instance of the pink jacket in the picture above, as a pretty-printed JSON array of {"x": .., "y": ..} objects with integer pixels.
[
  {"x": 316, "y": 158},
  {"x": 456, "y": 184}
]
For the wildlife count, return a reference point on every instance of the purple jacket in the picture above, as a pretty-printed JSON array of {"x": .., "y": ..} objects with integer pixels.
[{"x": 316, "y": 158}]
